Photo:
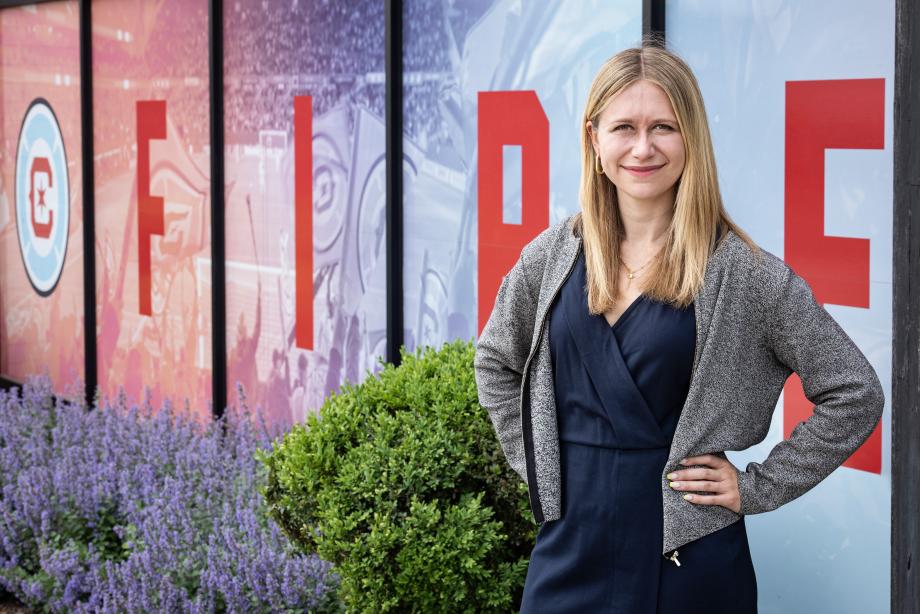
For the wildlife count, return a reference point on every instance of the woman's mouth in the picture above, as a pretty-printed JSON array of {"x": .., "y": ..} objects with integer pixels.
[{"x": 642, "y": 171}]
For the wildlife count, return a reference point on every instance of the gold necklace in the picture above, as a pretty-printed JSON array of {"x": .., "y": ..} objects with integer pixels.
[{"x": 630, "y": 273}]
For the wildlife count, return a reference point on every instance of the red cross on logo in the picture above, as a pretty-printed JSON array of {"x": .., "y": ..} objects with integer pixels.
[{"x": 39, "y": 166}]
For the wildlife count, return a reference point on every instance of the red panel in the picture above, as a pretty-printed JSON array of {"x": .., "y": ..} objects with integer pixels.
[
  {"x": 151, "y": 124},
  {"x": 509, "y": 118},
  {"x": 303, "y": 218},
  {"x": 820, "y": 115}
]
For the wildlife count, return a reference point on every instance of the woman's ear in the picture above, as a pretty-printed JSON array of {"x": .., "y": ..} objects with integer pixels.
[{"x": 592, "y": 134}]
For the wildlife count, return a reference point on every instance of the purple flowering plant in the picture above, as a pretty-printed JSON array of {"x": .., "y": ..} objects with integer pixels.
[{"x": 131, "y": 509}]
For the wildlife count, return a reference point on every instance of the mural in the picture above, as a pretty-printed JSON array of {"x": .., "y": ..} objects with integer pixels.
[{"x": 493, "y": 94}]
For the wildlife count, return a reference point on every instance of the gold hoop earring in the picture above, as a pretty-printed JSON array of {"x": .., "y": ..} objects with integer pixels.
[{"x": 597, "y": 165}]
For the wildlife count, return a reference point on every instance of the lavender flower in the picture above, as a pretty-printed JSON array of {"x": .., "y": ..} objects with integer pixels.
[{"x": 129, "y": 509}]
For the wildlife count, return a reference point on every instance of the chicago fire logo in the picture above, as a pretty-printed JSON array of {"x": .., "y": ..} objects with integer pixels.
[{"x": 42, "y": 197}]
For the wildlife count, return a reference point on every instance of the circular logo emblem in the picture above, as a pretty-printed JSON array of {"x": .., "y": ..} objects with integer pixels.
[{"x": 42, "y": 197}]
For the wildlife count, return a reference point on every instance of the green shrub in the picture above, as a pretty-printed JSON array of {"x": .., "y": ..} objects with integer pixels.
[{"x": 403, "y": 486}]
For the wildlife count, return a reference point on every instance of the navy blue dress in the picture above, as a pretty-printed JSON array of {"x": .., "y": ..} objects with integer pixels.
[{"x": 619, "y": 392}]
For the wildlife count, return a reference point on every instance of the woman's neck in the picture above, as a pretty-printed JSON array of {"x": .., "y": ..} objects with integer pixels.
[{"x": 645, "y": 222}]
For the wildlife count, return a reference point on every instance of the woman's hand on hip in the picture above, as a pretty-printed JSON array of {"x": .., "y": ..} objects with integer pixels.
[{"x": 718, "y": 477}]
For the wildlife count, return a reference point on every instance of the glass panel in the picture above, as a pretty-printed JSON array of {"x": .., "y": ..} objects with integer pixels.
[
  {"x": 152, "y": 173},
  {"x": 41, "y": 202},
  {"x": 304, "y": 93},
  {"x": 545, "y": 55},
  {"x": 800, "y": 103}
]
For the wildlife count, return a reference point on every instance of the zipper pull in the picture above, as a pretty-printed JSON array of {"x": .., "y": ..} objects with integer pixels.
[{"x": 673, "y": 557}]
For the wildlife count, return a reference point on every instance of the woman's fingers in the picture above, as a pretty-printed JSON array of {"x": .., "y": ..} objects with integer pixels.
[
  {"x": 718, "y": 478},
  {"x": 704, "y": 485},
  {"x": 723, "y": 500},
  {"x": 698, "y": 473}
]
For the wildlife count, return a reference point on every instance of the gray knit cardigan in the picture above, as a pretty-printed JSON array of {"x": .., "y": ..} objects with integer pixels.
[{"x": 757, "y": 322}]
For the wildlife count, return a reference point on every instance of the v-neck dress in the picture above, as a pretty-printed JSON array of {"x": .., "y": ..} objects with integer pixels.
[{"x": 619, "y": 393}]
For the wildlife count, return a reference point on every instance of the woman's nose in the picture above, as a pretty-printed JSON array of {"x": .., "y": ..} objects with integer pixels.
[{"x": 643, "y": 147}]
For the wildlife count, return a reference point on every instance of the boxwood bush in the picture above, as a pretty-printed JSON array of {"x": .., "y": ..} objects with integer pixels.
[{"x": 401, "y": 483}]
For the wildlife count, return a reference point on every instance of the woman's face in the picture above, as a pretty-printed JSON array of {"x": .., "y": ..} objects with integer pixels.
[{"x": 639, "y": 143}]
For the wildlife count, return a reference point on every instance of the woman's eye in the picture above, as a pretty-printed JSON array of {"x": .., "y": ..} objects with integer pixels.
[
  {"x": 622, "y": 126},
  {"x": 665, "y": 126}
]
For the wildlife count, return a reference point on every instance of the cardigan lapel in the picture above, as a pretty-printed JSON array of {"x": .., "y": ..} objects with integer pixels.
[
  {"x": 559, "y": 263},
  {"x": 704, "y": 304}
]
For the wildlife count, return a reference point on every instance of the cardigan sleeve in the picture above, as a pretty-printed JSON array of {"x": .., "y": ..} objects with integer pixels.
[
  {"x": 501, "y": 352},
  {"x": 836, "y": 376}
]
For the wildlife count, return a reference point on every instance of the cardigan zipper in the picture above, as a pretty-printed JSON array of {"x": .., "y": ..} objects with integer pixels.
[{"x": 534, "y": 498}]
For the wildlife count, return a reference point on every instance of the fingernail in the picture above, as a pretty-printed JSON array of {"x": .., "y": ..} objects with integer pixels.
[
  {"x": 688, "y": 497},
  {"x": 683, "y": 461},
  {"x": 671, "y": 476},
  {"x": 675, "y": 484}
]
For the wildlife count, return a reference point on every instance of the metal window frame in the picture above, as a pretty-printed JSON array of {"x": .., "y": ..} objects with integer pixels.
[
  {"x": 89, "y": 201},
  {"x": 218, "y": 273},
  {"x": 653, "y": 21},
  {"x": 905, "y": 339},
  {"x": 394, "y": 157}
]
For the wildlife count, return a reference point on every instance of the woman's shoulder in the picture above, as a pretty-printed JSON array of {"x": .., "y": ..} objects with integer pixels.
[
  {"x": 750, "y": 263},
  {"x": 537, "y": 249}
]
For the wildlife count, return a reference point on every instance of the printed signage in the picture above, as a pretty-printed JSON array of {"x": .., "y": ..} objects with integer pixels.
[{"x": 42, "y": 197}]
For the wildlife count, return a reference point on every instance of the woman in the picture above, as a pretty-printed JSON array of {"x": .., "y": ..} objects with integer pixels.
[{"x": 643, "y": 337}]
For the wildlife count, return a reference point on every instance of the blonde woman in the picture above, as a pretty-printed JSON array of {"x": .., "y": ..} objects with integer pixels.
[{"x": 635, "y": 342}]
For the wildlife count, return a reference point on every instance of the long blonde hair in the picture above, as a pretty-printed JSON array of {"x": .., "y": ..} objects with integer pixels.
[{"x": 677, "y": 272}]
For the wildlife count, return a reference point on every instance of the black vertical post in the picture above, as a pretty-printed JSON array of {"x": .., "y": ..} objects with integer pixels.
[
  {"x": 394, "y": 153},
  {"x": 89, "y": 199},
  {"x": 10, "y": 4},
  {"x": 653, "y": 19},
  {"x": 218, "y": 313},
  {"x": 905, "y": 360}
]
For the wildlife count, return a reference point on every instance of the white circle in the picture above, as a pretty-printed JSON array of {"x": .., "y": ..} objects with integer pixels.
[{"x": 42, "y": 190}]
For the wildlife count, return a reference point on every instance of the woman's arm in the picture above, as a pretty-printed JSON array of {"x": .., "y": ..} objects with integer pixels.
[
  {"x": 501, "y": 352},
  {"x": 836, "y": 377}
]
